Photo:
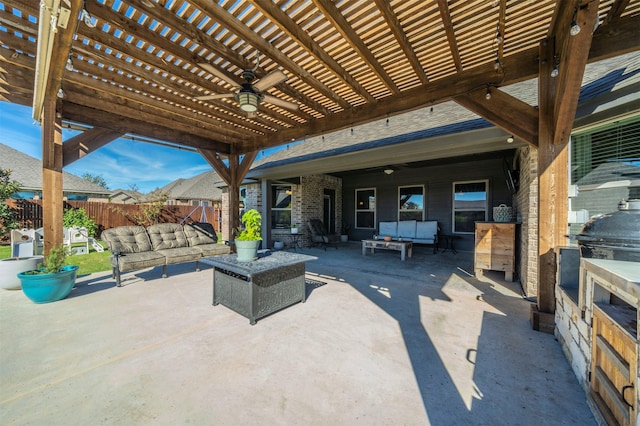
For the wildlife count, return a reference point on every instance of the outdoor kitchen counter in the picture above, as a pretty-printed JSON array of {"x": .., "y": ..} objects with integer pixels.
[{"x": 255, "y": 289}]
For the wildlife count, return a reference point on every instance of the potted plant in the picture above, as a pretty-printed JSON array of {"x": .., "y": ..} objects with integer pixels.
[
  {"x": 248, "y": 239},
  {"x": 294, "y": 228},
  {"x": 52, "y": 281},
  {"x": 344, "y": 232}
]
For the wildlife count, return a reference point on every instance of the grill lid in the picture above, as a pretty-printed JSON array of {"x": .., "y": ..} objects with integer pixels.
[{"x": 621, "y": 228}]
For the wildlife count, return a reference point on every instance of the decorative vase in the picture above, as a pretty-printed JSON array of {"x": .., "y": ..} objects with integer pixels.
[
  {"x": 278, "y": 245},
  {"x": 247, "y": 250},
  {"x": 11, "y": 267},
  {"x": 45, "y": 288},
  {"x": 502, "y": 213}
]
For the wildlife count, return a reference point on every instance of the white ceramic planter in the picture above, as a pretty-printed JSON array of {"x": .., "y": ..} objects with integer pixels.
[{"x": 9, "y": 269}]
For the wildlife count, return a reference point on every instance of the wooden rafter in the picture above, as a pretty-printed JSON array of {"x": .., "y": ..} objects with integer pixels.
[
  {"x": 143, "y": 60},
  {"x": 396, "y": 28},
  {"x": 269, "y": 9},
  {"x": 451, "y": 36},
  {"x": 331, "y": 11}
]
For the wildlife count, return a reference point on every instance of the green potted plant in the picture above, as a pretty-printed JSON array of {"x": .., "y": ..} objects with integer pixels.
[
  {"x": 248, "y": 239},
  {"x": 294, "y": 228},
  {"x": 344, "y": 232},
  {"x": 52, "y": 281}
]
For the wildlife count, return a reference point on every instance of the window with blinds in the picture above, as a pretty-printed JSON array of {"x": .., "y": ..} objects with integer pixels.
[
  {"x": 607, "y": 153},
  {"x": 605, "y": 168}
]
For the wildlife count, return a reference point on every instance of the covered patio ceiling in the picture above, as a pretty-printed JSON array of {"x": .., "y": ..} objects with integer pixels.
[{"x": 140, "y": 66}]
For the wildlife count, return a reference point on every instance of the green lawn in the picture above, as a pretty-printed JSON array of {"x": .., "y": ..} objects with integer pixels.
[{"x": 88, "y": 263}]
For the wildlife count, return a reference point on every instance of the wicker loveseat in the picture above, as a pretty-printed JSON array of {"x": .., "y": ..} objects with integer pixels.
[{"x": 137, "y": 247}]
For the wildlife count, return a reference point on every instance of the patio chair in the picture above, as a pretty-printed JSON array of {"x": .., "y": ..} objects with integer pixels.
[{"x": 320, "y": 236}]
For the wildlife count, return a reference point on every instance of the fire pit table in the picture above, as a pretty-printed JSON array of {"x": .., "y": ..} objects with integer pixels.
[{"x": 255, "y": 289}]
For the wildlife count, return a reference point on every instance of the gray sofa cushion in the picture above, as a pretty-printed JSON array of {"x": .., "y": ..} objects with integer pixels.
[
  {"x": 133, "y": 261},
  {"x": 180, "y": 254},
  {"x": 213, "y": 249},
  {"x": 200, "y": 233},
  {"x": 167, "y": 236},
  {"x": 127, "y": 239}
]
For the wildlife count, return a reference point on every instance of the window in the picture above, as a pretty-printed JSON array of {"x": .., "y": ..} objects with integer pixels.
[
  {"x": 605, "y": 168},
  {"x": 469, "y": 205},
  {"x": 411, "y": 203},
  {"x": 281, "y": 206},
  {"x": 366, "y": 208}
]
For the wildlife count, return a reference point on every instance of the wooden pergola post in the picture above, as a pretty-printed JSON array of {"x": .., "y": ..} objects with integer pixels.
[
  {"x": 558, "y": 101},
  {"x": 232, "y": 174},
  {"x": 52, "y": 194}
]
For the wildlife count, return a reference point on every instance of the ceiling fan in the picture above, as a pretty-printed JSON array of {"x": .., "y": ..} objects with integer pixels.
[{"x": 249, "y": 95}]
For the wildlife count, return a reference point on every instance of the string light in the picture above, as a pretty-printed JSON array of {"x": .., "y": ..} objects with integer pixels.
[
  {"x": 69, "y": 65},
  {"x": 488, "y": 94},
  {"x": 575, "y": 28}
]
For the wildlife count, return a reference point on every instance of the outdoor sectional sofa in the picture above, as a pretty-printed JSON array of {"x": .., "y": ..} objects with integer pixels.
[
  {"x": 137, "y": 247},
  {"x": 419, "y": 232}
]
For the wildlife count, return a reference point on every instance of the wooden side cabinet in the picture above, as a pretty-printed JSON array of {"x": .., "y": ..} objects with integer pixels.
[{"x": 495, "y": 248}]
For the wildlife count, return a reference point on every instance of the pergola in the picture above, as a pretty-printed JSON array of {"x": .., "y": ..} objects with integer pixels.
[{"x": 141, "y": 67}]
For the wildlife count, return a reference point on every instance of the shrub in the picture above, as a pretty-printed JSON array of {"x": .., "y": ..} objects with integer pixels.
[{"x": 78, "y": 217}]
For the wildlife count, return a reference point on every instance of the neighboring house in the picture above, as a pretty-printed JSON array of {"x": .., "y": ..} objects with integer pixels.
[
  {"x": 200, "y": 190},
  {"x": 452, "y": 165},
  {"x": 125, "y": 196},
  {"x": 28, "y": 171}
]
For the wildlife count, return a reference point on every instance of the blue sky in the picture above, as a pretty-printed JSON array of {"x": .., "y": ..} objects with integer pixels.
[{"x": 122, "y": 163}]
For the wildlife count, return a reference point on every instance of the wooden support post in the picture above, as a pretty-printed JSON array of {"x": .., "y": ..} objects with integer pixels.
[{"x": 52, "y": 202}]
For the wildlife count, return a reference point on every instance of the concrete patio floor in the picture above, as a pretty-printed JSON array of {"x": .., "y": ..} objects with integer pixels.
[{"x": 378, "y": 342}]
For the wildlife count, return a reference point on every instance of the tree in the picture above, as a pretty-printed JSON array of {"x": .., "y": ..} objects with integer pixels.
[
  {"x": 95, "y": 179},
  {"x": 7, "y": 188}
]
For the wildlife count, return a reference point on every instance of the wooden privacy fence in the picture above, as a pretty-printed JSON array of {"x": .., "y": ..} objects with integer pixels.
[{"x": 109, "y": 215}]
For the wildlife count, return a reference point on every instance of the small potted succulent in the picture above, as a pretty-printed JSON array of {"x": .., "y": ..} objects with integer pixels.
[
  {"x": 249, "y": 238},
  {"x": 52, "y": 280},
  {"x": 294, "y": 228}
]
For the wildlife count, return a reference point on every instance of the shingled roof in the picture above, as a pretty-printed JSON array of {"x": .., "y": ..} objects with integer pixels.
[
  {"x": 617, "y": 76},
  {"x": 204, "y": 186},
  {"x": 28, "y": 171}
]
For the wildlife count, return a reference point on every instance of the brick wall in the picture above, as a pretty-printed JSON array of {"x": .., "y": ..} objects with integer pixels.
[
  {"x": 527, "y": 214},
  {"x": 307, "y": 203}
]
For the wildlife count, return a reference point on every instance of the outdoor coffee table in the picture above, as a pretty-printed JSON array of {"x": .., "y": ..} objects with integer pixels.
[
  {"x": 255, "y": 289},
  {"x": 404, "y": 247}
]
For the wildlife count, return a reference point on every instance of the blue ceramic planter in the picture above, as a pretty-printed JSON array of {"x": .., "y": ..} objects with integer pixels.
[{"x": 45, "y": 288}]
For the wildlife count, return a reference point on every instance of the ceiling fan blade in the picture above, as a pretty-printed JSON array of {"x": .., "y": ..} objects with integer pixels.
[
  {"x": 215, "y": 71},
  {"x": 281, "y": 102},
  {"x": 270, "y": 80},
  {"x": 216, "y": 96}
]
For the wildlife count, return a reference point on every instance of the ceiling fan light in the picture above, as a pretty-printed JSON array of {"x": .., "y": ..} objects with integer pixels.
[
  {"x": 388, "y": 171},
  {"x": 248, "y": 101}
]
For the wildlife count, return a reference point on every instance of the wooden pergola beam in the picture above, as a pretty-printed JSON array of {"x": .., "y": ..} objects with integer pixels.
[
  {"x": 505, "y": 111},
  {"x": 119, "y": 123},
  {"x": 86, "y": 142}
]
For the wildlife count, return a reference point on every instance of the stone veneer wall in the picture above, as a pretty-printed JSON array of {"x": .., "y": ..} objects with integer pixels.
[
  {"x": 527, "y": 215},
  {"x": 574, "y": 336}
]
